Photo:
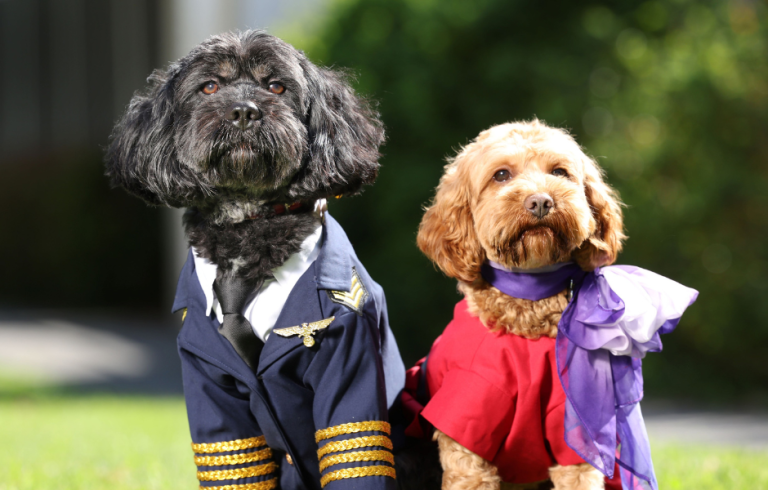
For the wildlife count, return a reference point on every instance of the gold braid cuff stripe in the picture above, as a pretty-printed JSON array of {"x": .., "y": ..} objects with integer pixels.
[
  {"x": 262, "y": 485},
  {"x": 356, "y": 443},
  {"x": 233, "y": 458},
  {"x": 236, "y": 445},
  {"x": 357, "y": 473},
  {"x": 259, "y": 470},
  {"x": 357, "y": 456},
  {"x": 352, "y": 428}
]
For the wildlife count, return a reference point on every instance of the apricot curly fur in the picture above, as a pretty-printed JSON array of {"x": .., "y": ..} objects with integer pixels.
[
  {"x": 463, "y": 469},
  {"x": 472, "y": 219},
  {"x": 576, "y": 477},
  {"x": 526, "y": 318},
  {"x": 446, "y": 233},
  {"x": 605, "y": 243}
]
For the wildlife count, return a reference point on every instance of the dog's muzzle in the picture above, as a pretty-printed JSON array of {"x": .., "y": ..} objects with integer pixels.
[
  {"x": 243, "y": 115},
  {"x": 539, "y": 205}
]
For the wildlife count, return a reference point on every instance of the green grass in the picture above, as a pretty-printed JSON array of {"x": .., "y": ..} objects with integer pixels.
[
  {"x": 687, "y": 467},
  {"x": 54, "y": 440},
  {"x": 94, "y": 442}
]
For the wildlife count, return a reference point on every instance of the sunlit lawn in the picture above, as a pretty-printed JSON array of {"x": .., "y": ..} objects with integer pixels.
[
  {"x": 118, "y": 443},
  {"x": 98, "y": 442}
]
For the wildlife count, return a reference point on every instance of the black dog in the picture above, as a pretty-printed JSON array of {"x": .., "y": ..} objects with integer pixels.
[
  {"x": 244, "y": 121},
  {"x": 249, "y": 135}
]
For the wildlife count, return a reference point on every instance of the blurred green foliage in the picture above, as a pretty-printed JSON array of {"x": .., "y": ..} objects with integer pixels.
[{"x": 671, "y": 99}]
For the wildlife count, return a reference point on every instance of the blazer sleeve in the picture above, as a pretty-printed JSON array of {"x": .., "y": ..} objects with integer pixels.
[
  {"x": 350, "y": 406},
  {"x": 229, "y": 447}
]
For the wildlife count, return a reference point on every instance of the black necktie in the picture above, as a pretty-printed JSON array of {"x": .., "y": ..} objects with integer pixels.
[{"x": 232, "y": 293}]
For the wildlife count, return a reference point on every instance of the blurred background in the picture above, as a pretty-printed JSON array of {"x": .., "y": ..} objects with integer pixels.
[{"x": 670, "y": 97}]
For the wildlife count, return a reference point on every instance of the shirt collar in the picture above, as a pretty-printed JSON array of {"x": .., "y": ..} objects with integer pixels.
[
  {"x": 333, "y": 267},
  {"x": 293, "y": 268},
  {"x": 286, "y": 275},
  {"x": 206, "y": 274}
]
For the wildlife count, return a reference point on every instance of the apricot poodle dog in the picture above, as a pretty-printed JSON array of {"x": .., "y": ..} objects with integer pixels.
[{"x": 523, "y": 195}]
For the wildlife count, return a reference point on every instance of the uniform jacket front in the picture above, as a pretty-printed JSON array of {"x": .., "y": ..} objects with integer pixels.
[{"x": 306, "y": 417}]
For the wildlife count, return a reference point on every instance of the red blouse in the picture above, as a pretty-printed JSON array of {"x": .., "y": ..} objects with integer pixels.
[{"x": 499, "y": 396}]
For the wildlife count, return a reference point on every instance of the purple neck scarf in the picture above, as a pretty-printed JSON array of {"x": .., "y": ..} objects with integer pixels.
[
  {"x": 614, "y": 318},
  {"x": 532, "y": 284}
]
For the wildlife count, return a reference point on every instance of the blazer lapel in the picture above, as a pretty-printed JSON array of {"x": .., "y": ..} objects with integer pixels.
[{"x": 302, "y": 306}]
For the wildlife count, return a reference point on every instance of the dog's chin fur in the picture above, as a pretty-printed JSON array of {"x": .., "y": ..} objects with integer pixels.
[{"x": 536, "y": 247}]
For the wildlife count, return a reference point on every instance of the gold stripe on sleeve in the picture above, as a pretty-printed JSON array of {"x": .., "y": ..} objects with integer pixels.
[
  {"x": 236, "y": 445},
  {"x": 357, "y": 473},
  {"x": 351, "y": 428},
  {"x": 262, "y": 485},
  {"x": 233, "y": 458},
  {"x": 259, "y": 470},
  {"x": 356, "y": 456},
  {"x": 356, "y": 443}
]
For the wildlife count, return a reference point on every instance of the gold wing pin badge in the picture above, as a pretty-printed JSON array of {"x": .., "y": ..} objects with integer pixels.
[{"x": 305, "y": 330}]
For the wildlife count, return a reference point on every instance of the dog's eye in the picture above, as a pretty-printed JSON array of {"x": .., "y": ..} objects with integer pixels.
[
  {"x": 210, "y": 88},
  {"x": 559, "y": 172},
  {"x": 276, "y": 88},
  {"x": 501, "y": 176}
]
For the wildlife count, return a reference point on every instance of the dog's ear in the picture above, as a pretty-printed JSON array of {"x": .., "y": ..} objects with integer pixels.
[
  {"x": 604, "y": 245},
  {"x": 447, "y": 233},
  {"x": 345, "y": 133},
  {"x": 141, "y": 156}
]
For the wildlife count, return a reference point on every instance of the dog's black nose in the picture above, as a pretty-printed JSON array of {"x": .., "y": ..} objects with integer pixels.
[
  {"x": 243, "y": 114},
  {"x": 539, "y": 204}
]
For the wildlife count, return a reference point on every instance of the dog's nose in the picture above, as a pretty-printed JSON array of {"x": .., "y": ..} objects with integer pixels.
[
  {"x": 539, "y": 204},
  {"x": 243, "y": 114}
]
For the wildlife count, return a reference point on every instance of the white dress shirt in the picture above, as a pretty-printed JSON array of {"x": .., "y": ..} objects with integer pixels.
[{"x": 264, "y": 308}]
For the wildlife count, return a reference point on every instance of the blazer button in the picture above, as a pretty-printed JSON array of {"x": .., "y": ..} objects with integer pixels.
[{"x": 288, "y": 458}]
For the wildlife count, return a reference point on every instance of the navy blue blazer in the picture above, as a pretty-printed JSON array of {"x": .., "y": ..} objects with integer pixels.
[{"x": 308, "y": 417}]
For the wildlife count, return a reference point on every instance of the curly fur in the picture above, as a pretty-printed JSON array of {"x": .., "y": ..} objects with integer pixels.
[
  {"x": 253, "y": 248},
  {"x": 529, "y": 319},
  {"x": 175, "y": 147},
  {"x": 463, "y": 469},
  {"x": 475, "y": 217},
  {"x": 576, "y": 477}
]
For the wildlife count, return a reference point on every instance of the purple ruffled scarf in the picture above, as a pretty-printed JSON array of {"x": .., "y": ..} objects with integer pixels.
[{"x": 614, "y": 317}]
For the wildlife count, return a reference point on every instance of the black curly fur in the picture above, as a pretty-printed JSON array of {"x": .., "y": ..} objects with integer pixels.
[
  {"x": 254, "y": 248},
  {"x": 175, "y": 147}
]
